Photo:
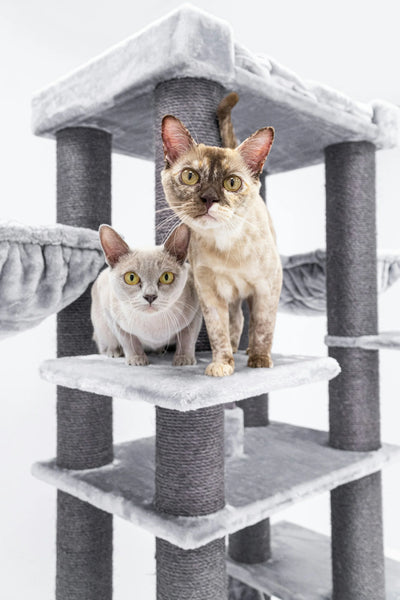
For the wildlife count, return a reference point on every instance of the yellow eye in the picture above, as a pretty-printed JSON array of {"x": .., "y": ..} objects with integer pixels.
[
  {"x": 232, "y": 183},
  {"x": 167, "y": 277},
  {"x": 189, "y": 176},
  {"x": 131, "y": 278}
]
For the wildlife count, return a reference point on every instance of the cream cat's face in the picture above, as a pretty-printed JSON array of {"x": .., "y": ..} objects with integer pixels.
[
  {"x": 148, "y": 280},
  {"x": 210, "y": 187}
]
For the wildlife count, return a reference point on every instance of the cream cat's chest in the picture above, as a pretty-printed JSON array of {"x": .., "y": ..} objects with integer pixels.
[{"x": 155, "y": 329}]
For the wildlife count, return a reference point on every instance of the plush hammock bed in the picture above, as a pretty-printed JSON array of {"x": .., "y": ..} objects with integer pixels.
[{"x": 43, "y": 269}]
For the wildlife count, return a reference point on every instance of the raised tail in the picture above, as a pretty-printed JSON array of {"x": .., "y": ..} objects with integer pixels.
[{"x": 224, "y": 109}]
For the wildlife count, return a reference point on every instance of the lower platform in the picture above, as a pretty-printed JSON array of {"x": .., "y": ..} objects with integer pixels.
[
  {"x": 281, "y": 465},
  {"x": 301, "y": 567}
]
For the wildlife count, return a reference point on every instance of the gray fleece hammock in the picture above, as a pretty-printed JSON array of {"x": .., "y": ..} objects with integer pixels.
[{"x": 44, "y": 269}]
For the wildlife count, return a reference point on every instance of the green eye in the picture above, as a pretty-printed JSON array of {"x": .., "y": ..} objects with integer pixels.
[
  {"x": 167, "y": 277},
  {"x": 232, "y": 183},
  {"x": 189, "y": 177},
  {"x": 131, "y": 278}
]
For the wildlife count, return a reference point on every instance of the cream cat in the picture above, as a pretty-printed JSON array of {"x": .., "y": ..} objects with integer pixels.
[
  {"x": 233, "y": 253},
  {"x": 146, "y": 299}
]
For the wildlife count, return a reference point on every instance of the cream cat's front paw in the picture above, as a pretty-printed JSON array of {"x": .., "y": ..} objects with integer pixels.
[
  {"x": 219, "y": 369},
  {"x": 257, "y": 361},
  {"x": 115, "y": 352},
  {"x": 182, "y": 360},
  {"x": 137, "y": 360}
]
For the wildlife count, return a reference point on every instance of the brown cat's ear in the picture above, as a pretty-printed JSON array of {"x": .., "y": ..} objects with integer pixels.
[
  {"x": 113, "y": 245},
  {"x": 177, "y": 243},
  {"x": 176, "y": 138},
  {"x": 256, "y": 148}
]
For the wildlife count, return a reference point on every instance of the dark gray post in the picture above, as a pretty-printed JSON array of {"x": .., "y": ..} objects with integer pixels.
[
  {"x": 357, "y": 537},
  {"x": 194, "y": 102},
  {"x": 189, "y": 446},
  {"x": 84, "y": 421},
  {"x": 253, "y": 544}
]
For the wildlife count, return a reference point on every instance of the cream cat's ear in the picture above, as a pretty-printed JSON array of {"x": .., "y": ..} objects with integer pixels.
[
  {"x": 177, "y": 243},
  {"x": 176, "y": 138},
  {"x": 256, "y": 148},
  {"x": 113, "y": 245}
]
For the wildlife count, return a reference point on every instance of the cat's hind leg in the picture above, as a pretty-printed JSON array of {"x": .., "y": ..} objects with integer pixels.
[
  {"x": 236, "y": 321},
  {"x": 105, "y": 339}
]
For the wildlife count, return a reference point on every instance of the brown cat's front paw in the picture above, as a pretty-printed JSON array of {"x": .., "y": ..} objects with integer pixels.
[
  {"x": 182, "y": 360},
  {"x": 137, "y": 360},
  {"x": 257, "y": 361},
  {"x": 219, "y": 369}
]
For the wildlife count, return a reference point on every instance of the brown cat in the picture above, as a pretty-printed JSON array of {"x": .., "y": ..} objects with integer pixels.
[{"x": 233, "y": 253}]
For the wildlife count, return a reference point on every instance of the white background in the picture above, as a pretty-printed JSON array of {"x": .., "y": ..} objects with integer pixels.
[{"x": 352, "y": 46}]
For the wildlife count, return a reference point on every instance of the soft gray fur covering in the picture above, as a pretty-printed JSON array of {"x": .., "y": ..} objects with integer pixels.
[
  {"x": 115, "y": 92},
  {"x": 300, "y": 465},
  {"x": 42, "y": 270},
  {"x": 304, "y": 280}
]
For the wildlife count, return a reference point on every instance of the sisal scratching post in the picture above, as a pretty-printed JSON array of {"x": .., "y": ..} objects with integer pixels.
[
  {"x": 84, "y": 420},
  {"x": 190, "y": 482},
  {"x": 189, "y": 446},
  {"x": 194, "y": 102},
  {"x": 357, "y": 537},
  {"x": 251, "y": 545}
]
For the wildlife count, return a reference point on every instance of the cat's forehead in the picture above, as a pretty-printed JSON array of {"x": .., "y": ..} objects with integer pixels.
[
  {"x": 147, "y": 260},
  {"x": 214, "y": 160}
]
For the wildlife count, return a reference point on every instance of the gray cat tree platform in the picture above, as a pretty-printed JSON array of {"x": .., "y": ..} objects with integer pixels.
[
  {"x": 184, "y": 65},
  {"x": 281, "y": 465},
  {"x": 183, "y": 388}
]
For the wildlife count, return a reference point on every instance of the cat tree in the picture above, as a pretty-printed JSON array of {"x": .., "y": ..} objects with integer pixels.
[{"x": 183, "y": 65}]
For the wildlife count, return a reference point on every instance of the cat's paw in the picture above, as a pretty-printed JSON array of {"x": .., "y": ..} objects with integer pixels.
[
  {"x": 220, "y": 369},
  {"x": 115, "y": 352},
  {"x": 182, "y": 360},
  {"x": 137, "y": 360},
  {"x": 257, "y": 361}
]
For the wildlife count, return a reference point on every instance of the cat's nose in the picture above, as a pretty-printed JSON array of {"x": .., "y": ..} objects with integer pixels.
[
  {"x": 150, "y": 297},
  {"x": 209, "y": 199}
]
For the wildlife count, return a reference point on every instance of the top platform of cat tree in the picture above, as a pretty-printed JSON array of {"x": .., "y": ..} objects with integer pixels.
[{"x": 115, "y": 92}]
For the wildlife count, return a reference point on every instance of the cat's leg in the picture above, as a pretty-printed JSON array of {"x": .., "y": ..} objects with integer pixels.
[
  {"x": 186, "y": 342},
  {"x": 132, "y": 347},
  {"x": 216, "y": 316},
  {"x": 106, "y": 341},
  {"x": 236, "y": 321},
  {"x": 263, "y": 309}
]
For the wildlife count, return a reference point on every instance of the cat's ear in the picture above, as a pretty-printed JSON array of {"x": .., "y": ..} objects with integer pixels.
[
  {"x": 176, "y": 138},
  {"x": 177, "y": 243},
  {"x": 256, "y": 148},
  {"x": 113, "y": 245}
]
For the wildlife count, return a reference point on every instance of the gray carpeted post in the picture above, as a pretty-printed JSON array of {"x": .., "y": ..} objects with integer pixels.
[
  {"x": 252, "y": 544},
  {"x": 190, "y": 482},
  {"x": 357, "y": 537},
  {"x": 189, "y": 446},
  {"x": 194, "y": 102},
  {"x": 84, "y": 421}
]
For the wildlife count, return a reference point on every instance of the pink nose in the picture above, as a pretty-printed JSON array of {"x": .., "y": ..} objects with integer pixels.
[{"x": 209, "y": 200}]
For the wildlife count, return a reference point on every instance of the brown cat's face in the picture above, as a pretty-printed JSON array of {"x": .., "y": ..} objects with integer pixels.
[{"x": 210, "y": 187}]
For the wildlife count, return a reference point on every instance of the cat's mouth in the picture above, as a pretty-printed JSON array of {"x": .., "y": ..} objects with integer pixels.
[{"x": 206, "y": 216}]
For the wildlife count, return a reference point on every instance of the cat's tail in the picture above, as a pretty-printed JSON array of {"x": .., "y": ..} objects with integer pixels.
[{"x": 227, "y": 132}]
